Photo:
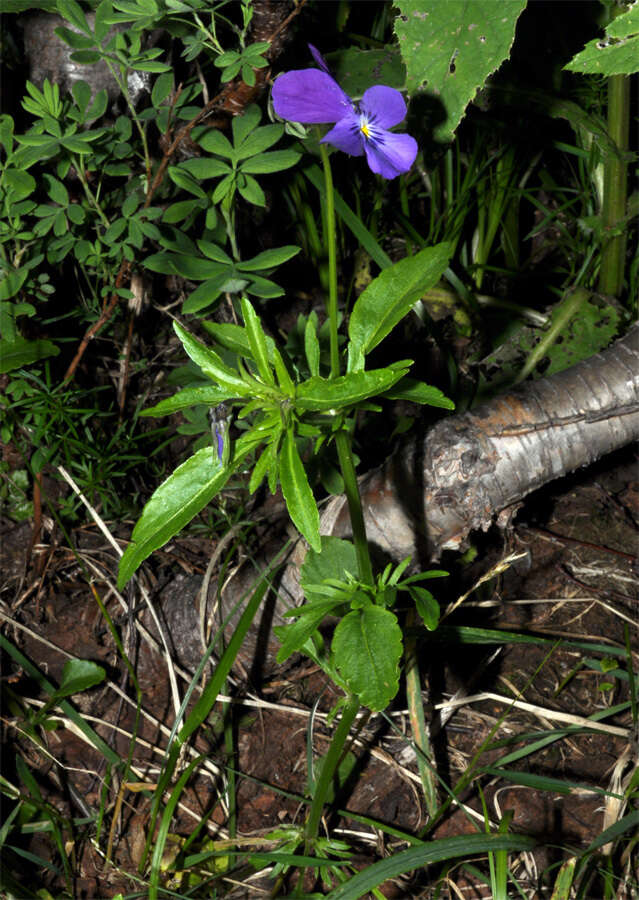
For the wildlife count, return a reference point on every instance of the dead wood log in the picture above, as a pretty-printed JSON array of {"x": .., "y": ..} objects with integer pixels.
[{"x": 474, "y": 469}]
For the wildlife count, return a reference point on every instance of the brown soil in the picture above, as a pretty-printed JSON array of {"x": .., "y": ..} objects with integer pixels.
[{"x": 575, "y": 581}]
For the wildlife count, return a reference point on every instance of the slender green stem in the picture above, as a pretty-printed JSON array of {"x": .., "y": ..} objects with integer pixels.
[
  {"x": 613, "y": 252},
  {"x": 329, "y": 765},
  {"x": 351, "y": 488},
  {"x": 114, "y": 68},
  {"x": 331, "y": 246},
  {"x": 347, "y": 466},
  {"x": 571, "y": 306},
  {"x": 229, "y": 221},
  {"x": 425, "y": 759},
  {"x": 93, "y": 200}
]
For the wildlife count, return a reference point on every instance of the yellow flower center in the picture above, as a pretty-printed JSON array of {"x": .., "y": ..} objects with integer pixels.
[{"x": 363, "y": 127}]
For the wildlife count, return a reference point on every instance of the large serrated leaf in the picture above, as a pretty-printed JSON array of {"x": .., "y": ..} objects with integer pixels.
[
  {"x": 367, "y": 647},
  {"x": 174, "y": 503},
  {"x": 617, "y": 53},
  {"x": 451, "y": 48},
  {"x": 392, "y": 294},
  {"x": 357, "y": 69},
  {"x": 297, "y": 492}
]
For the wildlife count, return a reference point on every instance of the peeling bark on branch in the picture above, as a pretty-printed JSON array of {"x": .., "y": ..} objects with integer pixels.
[{"x": 475, "y": 468}]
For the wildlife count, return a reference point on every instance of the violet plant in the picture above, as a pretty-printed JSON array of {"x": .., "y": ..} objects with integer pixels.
[
  {"x": 314, "y": 97},
  {"x": 284, "y": 410}
]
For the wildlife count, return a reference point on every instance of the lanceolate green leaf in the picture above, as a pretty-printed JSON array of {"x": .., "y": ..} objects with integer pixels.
[
  {"x": 419, "y": 392},
  {"x": 268, "y": 259},
  {"x": 234, "y": 338},
  {"x": 392, "y": 294},
  {"x": 261, "y": 139},
  {"x": 324, "y": 394},
  {"x": 427, "y": 606},
  {"x": 367, "y": 647},
  {"x": 242, "y": 126},
  {"x": 175, "y": 502},
  {"x": 257, "y": 341},
  {"x": 215, "y": 142},
  {"x": 210, "y": 395},
  {"x": 275, "y": 161},
  {"x": 205, "y": 167},
  {"x": 424, "y": 855},
  {"x": 210, "y": 363},
  {"x": 312, "y": 346},
  {"x": 297, "y": 492}
]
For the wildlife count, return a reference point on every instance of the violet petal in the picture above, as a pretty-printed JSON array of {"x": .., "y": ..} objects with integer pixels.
[
  {"x": 319, "y": 59},
  {"x": 309, "y": 96},
  {"x": 384, "y": 105},
  {"x": 346, "y": 135},
  {"x": 391, "y": 154}
]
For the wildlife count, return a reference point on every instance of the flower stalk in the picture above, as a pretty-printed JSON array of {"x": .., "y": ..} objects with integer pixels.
[
  {"x": 351, "y": 489},
  {"x": 331, "y": 244},
  {"x": 613, "y": 253}
]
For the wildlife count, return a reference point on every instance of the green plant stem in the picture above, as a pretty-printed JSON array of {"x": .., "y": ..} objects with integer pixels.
[
  {"x": 331, "y": 246},
  {"x": 123, "y": 84},
  {"x": 613, "y": 253},
  {"x": 351, "y": 488},
  {"x": 425, "y": 758},
  {"x": 573, "y": 301},
  {"x": 79, "y": 167},
  {"x": 329, "y": 766},
  {"x": 229, "y": 221}
]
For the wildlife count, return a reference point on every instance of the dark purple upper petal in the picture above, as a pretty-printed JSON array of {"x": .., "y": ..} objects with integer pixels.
[
  {"x": 383, "y": 104},
  {"x": 319, "y": 59},
  {"x": 309, "y": 96},
  {"x": 346, "y": 135},
  {"x": 391, "y": 154}
]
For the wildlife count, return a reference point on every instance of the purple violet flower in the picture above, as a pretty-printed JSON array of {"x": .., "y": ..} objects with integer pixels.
[
  {"x": 312, "y": 96},
  {"x": 220, "y": 443}
]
